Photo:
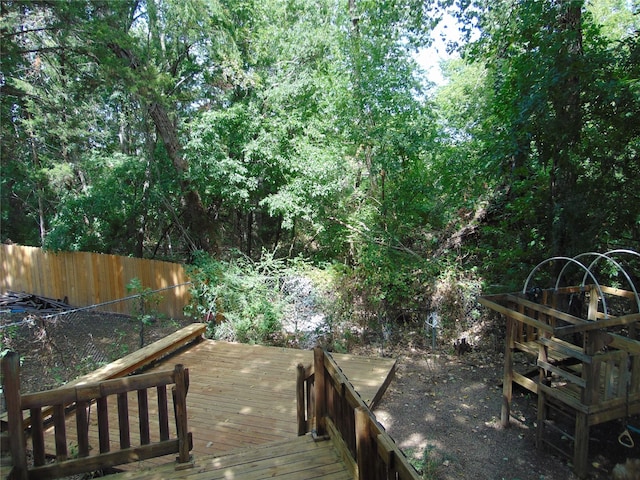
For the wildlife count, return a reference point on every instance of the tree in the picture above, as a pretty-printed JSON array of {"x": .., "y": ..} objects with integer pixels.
[
  {"x": 547, "y": 67},
  {"x": 83, "y": 45}
]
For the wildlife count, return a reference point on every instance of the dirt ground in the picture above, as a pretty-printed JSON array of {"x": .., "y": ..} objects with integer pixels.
[{"x": 443, "y": 410}]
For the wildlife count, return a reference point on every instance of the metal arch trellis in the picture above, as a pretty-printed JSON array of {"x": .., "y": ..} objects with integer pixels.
[
  {"x": 587, "y": 272},
  {"x": 591, "y": 265},
  {"x": 624, "y": 272}
]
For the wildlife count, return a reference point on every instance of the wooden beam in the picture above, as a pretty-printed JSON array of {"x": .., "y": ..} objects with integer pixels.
[
  {"x": 145, "y": 356},
  {"x": 300, "y": 400},
  {"x": 598, "y": 324},
  {"x": 320, "y": 391},
  {"x": 106, "y": 460},
  {"x": 364, "y": 449},
  {"x": 11, "y": 390},
  {"x": 516, "y": 315}
]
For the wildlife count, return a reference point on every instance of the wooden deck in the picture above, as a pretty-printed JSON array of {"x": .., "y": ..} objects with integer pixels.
[
  {"x": 243, "y": 396},
  {"x": 296, "y": 458}
]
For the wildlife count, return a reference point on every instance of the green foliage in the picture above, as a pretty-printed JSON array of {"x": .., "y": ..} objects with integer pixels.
[
  {"x": 112, "y": 215},
  {"x": 144, "y": 306},
  {"x": 536, "y": 127},
  {"x": 241, "y": 299},
  {"x": 428, "y": 463},
  {"x": 154, "y": 128}
]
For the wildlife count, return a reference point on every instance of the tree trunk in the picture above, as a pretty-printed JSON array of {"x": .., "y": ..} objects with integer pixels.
[
  {"x": 200, "y": 225},
  {"x": 195, "y": 214}
]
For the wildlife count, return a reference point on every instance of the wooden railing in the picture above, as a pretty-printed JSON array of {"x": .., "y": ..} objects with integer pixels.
[
  {"x": 59, "y": 402},
  {"x": 329, "y": 406}
]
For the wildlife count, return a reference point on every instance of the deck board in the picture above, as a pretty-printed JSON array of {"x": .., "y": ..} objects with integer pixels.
[
  {"x": 298, "y": 458},
  {"x": 239, "y": 395}
]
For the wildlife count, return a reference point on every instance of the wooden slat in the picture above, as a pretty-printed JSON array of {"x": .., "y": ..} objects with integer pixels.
[
  {"x": 144, "y": 356},
  {"x": 37, "y": 436},
  {"x": 525, "y": 382},
  {"x": 82, "y": 425},
  {"x": 60, "y": 435},
  {"x": 599, "y": 324},
  {"x": 123, "y": 421},
  {"x": 86, "y": 392},
  {"x": 566, "y": 349},
  {"x": 118, "y": 457},
  {"x": 580, "y": 382},
  {"x": 298, "y": 458},
  {"x": 515, "y": 315},
  {"x": 163, "y": 412},
  {"x": 143, "y": 417},
  {"x": 103, "y": 425},
  {"x": 566, "y": 396}
]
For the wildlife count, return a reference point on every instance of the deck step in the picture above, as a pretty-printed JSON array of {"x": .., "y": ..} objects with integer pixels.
[{"x": 296, "y": 458}]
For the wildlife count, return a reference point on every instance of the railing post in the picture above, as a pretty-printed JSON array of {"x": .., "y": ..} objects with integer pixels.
[
  {"x": 320, "y": 391},
  {"x": 11, "y": 389},
  {"x": 300, "y": 401},
  {"x": 181, "y": 378},
  {"x": 507, "y": 381},
  {"x": 363, "y": 444}
]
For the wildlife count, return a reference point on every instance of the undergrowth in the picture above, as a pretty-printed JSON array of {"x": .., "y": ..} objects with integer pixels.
[{"x": 248, "y": 301}]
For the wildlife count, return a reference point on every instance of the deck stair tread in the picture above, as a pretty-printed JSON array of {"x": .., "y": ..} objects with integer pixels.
[{"x": 297, "y": 458}]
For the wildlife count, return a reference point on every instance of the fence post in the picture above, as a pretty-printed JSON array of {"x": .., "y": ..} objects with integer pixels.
[
  {"x": 11, "y": 389},
  {"x": 181, "y": 378},
  {"x": 320, "y": 391}
]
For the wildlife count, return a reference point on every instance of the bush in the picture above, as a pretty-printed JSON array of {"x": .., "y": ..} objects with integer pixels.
[{"x": 240, "y": 299}]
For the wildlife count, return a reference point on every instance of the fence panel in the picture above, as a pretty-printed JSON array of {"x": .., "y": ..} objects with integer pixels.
[{"x": 89, "y": 278}]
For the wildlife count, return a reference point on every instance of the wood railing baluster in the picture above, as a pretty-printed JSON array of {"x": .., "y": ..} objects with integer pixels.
[
  {"x": 81, "y": 399},
  {"x": 180, "y": 405},
  {"x": 320, "y": 392},
  {"x": 163, "y": 413},
  {"x": 37, "y": 436},
  {"x": 103, "y": 424},
  {"x": 82, "y": 425},
  {"x": 11, "y": 391},
  {"x": 60, "y": 429},
  {"x": 300, "y": 405},
  {"x": 123, "y": 420},
  {"x": 361, "y": 441},
  {"x": 143, "y": 417}
]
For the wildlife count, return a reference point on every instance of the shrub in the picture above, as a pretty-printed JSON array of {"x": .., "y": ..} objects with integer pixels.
[{"x": 240, "y": 299}]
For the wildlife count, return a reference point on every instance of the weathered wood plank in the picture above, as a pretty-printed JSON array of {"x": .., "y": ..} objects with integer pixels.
[
  {"x": 74, "y": 466},
  {"x": 144, "y": 356},
  {"x": 123, "y": 421},
  {"x": 299, "y": 458}
]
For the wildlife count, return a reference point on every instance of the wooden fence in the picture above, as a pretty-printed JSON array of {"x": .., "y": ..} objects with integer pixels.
[
  {"x": 329, "y": 405},
  {"x": 85, "y": 278}
]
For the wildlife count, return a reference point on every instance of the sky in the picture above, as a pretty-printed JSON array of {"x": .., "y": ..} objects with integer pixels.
[{"x": 429, "y": 59}]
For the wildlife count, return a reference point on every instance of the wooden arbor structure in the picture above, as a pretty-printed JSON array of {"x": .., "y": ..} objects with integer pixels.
[{"x": 584, "y": 341}]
